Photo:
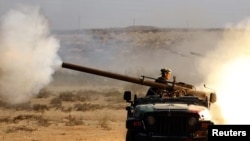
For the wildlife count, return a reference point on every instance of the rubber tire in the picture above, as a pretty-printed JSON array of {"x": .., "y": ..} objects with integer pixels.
[{"x": 130, "y": 136}]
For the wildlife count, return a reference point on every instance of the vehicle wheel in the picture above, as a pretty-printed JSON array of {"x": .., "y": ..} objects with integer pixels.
[{"x": 130, "y": 136}]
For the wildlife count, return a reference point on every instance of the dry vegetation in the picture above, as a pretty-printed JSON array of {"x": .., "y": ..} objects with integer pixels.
[
  {"x": 67, "y": 115},
  {"x": 72, "y": 114}
]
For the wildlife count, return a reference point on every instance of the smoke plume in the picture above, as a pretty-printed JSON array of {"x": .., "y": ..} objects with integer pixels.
[
  {"x": 28, "y": 54},
  {"x": 227, "y": 69}
]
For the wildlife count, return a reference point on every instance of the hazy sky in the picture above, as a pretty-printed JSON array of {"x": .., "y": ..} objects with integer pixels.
[{"x": 75, "y": 14}]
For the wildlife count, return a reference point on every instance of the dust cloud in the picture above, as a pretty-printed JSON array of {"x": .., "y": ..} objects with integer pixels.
[
  {"x": 227, "y": 69},
  {"x": 28, "y": 54}
]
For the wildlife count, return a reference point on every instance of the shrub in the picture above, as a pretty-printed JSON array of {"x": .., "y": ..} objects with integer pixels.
[{"x": 40, "y": 107}]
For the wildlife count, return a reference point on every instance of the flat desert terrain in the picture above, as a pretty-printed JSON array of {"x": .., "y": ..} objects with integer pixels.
[
  {"x": 67, "y": 116},
  {"x": 76, "y": 106}
]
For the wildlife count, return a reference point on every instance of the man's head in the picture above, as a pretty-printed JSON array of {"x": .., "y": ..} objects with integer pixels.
[{"x": 166, "y": 73}]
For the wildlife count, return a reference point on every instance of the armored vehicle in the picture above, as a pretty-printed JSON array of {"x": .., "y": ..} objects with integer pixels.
[{"x": 181, "y": 113}]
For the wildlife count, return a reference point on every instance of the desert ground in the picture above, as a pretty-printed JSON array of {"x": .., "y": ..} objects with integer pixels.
[
  {"x": 69, "y": 116},
  {"x": 79, "y": 107}
]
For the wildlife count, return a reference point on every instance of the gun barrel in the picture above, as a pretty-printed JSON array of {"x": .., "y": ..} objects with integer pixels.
[
  {"x": 140, "y": 81},
  {"x": 114, "y": 75}
]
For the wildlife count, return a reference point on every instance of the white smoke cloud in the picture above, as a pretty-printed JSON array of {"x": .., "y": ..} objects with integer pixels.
[
  {"x": 227, "y": 69},
  {"x": 28, "y": 54}
]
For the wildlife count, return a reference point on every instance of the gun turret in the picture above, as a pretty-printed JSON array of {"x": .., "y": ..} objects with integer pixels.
[{"x": 175, "y": 86}]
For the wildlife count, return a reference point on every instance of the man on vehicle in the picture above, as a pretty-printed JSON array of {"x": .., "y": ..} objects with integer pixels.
[{"x": 165, "y": 76}]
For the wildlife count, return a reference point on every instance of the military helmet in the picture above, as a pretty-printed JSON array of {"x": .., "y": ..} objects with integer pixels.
[{"x": 165, "y": 70}]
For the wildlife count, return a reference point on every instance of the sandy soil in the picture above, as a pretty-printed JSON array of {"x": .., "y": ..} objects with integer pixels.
[
  {"x": 42, "y": 120},
  {"x": 63, "y": 133}
]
